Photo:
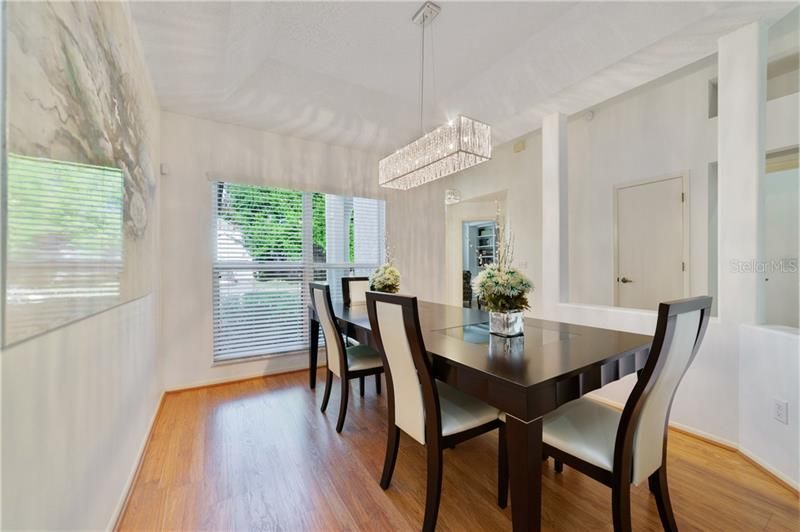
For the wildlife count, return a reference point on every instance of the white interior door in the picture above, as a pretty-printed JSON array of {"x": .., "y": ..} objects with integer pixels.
[{"x": 649, "y": 243}]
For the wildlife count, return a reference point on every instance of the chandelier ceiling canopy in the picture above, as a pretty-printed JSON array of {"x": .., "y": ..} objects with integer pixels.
[{"x": 450, "y": 148}]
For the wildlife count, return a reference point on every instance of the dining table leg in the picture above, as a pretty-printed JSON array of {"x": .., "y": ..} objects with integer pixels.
[
  {"x": 313, "y": 347},
  {"x": 524, "y": 439}
]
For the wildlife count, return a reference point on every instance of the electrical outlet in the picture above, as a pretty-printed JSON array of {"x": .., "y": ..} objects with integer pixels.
[{"x": 780, "y": 411}]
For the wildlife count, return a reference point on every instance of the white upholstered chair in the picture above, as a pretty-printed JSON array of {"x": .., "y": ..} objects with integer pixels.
[
  {"x": 346, "y": 363},
  {"x": 431, "y": 412},
  {"x": 620, "y": 448},
  {"x": 354, "y": 290}
]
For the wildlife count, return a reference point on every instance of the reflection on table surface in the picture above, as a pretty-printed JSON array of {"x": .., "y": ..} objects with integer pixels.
[{"x": 478, "y": 333}]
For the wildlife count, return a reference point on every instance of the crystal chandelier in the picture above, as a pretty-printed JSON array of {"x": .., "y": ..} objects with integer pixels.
[{"x": 455, "y": 146}]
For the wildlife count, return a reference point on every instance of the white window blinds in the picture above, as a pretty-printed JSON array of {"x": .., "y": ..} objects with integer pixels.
[
  {"x": 64, "y": 243},
  {"x": 269, "y": 244}
]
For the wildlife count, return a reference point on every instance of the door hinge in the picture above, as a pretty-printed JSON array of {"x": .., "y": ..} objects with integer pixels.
[
  {"x": 683, "y": 266},
  {"x": 683, "y": 197}
]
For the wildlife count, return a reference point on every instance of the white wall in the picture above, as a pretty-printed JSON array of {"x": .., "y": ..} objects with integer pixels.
[
  {"x": 416, "y": 220},
  {"x": 195, "y": 152},
  {"x": 657, "y": 130},
  {"x": 77, "y": 408},
  {"x": 78, "y": 401},
  {"x": 769, "y": 365},
  {"x": 768, "y": 360}
]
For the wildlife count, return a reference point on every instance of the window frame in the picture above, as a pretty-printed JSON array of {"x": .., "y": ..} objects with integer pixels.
[{"x": 307, "y": 268}]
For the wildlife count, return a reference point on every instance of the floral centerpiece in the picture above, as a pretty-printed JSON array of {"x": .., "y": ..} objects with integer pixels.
[
  {"x": 504, "y": 291},
  {"x": 386, "y": 278}
]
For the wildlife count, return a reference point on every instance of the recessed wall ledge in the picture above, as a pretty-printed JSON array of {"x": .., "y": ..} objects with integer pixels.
[
  {"x": 609, "y": 308},
  {"x": 780, "y": 329}
]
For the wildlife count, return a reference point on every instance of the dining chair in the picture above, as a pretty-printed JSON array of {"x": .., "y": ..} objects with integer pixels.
[
  {"x": 354, "y": 292},
  {"x": 430, "y": 411},
  {"x": 628, "y": 447},
  {"x": 347, "y": 363}
]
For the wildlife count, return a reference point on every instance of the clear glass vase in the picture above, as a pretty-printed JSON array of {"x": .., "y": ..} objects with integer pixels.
[{"x": 506, "y": 323}]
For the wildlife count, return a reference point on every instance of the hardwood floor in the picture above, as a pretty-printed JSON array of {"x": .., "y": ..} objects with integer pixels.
[{"x": 259, "y": 455}]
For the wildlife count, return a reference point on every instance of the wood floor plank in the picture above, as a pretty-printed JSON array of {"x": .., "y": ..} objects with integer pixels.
[{"x": 259, "y": 455}]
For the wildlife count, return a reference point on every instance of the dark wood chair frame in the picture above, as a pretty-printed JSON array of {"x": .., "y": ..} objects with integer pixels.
[
  {"x": 620, "y": 479},
  {"x": 346, "y": 300},
  {"x": 346, "y": 288},
  {"x": 435, "y": 443},
  {"x": 347, "y": 374}
]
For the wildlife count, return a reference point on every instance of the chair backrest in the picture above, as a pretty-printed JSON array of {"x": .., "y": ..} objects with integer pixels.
[
  {"x": 334, "y": 344},
  {"x": 413, "y": 397},
  {"x": 354, "y": 290},
  {"x": 641, "y": 438}
]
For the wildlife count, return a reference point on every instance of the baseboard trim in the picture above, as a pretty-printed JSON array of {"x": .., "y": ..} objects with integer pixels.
[
  {"x": 255, "y": 375},
  {"x": 776, "y": 475},
  {"x": 704, "y": 436},
  {"x": 122, "y": 505},
  {"x": 234, "y": 380}
]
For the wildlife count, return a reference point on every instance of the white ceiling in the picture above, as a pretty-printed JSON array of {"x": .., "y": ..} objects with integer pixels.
[{"x": 348, "y": 73}]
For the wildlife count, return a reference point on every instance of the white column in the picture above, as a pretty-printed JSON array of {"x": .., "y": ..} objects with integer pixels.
[
  {"x": 555, "y": 259},
  {"x": 741, "y": 129}
]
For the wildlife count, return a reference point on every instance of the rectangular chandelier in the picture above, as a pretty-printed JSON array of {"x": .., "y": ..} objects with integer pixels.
[{"x": 455, "y": 146}]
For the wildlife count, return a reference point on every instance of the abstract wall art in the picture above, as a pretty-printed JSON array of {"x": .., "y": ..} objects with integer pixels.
[{"x": 80, "y": 180}]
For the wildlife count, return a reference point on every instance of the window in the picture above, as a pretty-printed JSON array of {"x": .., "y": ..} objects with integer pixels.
[
  {"x": 269, "y": 244},
  {"x": 64, "y": 243}
]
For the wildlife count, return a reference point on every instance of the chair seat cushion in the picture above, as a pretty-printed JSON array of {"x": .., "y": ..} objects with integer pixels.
[
  {"x": 462, "y": 412},
  {"x": 363, "y": 357},
  {"x": 585, "y": 429}
]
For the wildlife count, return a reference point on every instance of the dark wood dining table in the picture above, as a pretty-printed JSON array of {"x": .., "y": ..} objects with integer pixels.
[{"x": 526, "y": 377}]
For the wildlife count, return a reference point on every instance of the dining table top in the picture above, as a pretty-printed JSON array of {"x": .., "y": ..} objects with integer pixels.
[{"x": 547, "y": 351}]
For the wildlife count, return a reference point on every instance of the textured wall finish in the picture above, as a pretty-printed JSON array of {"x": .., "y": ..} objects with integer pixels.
[
  {"x": 198, "y": 151},
  {"x": 77, "y": 94},
  {"x": 77, "y": 401},
  {"x": 347, "y": 72}
]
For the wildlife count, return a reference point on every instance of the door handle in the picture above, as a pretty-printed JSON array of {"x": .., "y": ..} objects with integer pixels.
[{"x": 626, "y": 280}]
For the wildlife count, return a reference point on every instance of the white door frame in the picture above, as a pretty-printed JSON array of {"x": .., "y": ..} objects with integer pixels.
[{"x": 684, "y": 175}]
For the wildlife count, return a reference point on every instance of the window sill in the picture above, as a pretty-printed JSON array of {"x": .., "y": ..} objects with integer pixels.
[{"x": 260, "y": 358}]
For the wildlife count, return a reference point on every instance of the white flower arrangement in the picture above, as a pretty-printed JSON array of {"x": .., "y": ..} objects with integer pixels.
[
  {"x": 386, "y": 278},
  {"x": 502, "y": 287}
]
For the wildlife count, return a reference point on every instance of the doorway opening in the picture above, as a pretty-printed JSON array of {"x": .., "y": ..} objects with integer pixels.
[{"x": 479, "y": 249}]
